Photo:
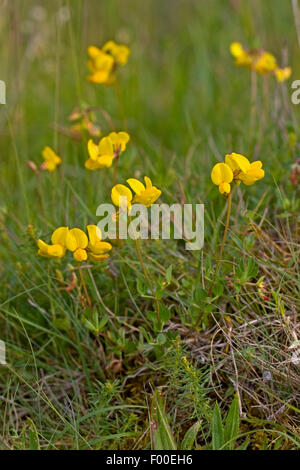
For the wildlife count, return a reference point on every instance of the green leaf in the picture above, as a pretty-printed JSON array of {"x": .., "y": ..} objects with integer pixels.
[
  {"x": 161, "y": 434},
  {"x": 190, "y": 436},
  {"x": 34, "y": 443},
  {"x": 169, "y": 274},
  {"x": 200, "y": 295},
  {"x": 165, "y": 314},
  {"x": 232, "y": 424},
  {"x": 217, "y": 429}
]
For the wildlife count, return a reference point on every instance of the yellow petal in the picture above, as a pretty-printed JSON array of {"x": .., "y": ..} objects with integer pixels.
[
  {"x": 93, "y": 150},
  {"x": 283, "y": 74},
  {"x": 148, "y": 182},
  {"x": 50, "y": 251},
  {"x": 80, "y": 254},
  {"x": 148, "y": 197},
  {"x": 106, "y": 146},
  {"x": 237, "y": 162},
  {"x": 95, "y": 257},
  {"x": 56, "y": 251},
  {"x": 99, "y": 248},
  {"x": 118, "y": 191},
  {"x": 119, "y": 140},
  {"x": 76, "y": 238},
  {"x": 95, "y": 234},
  {"x": 43, "y": 248},
  {"x": 92, "y": 164},
  {"x": 93, "y": 51},
  {"x": 136, "y": 185},
  {"x": 221, "y": 173},
  {"x": 105, "y": 161},
  {"x": 224, "y": 188},
  {"x": 236, "y": 49},
  {"x": 254, "y": 174},
  {"x": 59, "y": 236}
]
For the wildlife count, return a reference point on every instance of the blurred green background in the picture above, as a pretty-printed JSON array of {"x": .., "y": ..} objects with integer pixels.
[{"x": 185, "y": 102}]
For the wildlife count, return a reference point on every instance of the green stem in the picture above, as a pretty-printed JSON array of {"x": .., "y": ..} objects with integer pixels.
[
  {"x": 139, "y": 253},
  {"x": 84, "y": 287},
  {"x": 222, "y": 245}
]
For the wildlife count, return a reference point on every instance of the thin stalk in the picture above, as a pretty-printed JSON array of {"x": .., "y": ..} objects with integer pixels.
[
  {"x": 120, "y": 103},
  {"x": 222, "y": 245},
  {"x": 139, "y": 253},
  {"x": 84, "y": 287},
  {"x": 116, "y": 161},
  {"x": 40, "y": 196},
  {"x": 253, "y": 101}
]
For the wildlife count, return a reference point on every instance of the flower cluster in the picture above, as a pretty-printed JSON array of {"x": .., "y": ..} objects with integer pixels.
[
  {"x": 261, "y": 61},
  {"x": 76, "y": 241},
  {"x": 146, "y": 194},
  {"x": 101, "y": 155},
  {"x": 237, "y": 169},
  {"x": 104, "y": 62}
]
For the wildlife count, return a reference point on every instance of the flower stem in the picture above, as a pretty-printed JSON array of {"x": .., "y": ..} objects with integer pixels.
[
  {"x": 139, "y": 253},
  {"x": 253, "y": 102},
  {"x": 84, "y": 287},
  {"x": 116, "y": 161},
  {"x": 222, "y": 245}
]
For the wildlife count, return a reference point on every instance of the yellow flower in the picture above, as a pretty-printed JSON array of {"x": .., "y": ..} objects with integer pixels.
[
  {"x": 120, "y": 53},
  {"x": 119, "y": 141},
  {"x": 118, "y": 194},
  {"x": 101, "y": 65},
  {"x": 242, "y": 57},
  {"x": 265, "y": 63},
  {"x": 104, "y": 62},
  {"x": 58, "y": 247},
  {"x": 283, "y": 74},
  {"x": 238, "y": 164},
  {"x": 222, "y": 176},
  {"x": 253, "y": 174},
  {"x": 261, "y": 61},
  {"x": 97, "y": 250},
  {"x": 236, "y": 168},
  {"x": 77, "y": 242},
  {"x": 145, "y": 195},
  {"x": 51, "y": 159},
  {"x": 101, "y": 155},
  {"x": 109, "y": 147}
]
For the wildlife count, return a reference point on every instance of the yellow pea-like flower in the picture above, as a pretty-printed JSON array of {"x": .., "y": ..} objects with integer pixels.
[
  {"x": 242, "y": 57},
  {"x": 253, "y": 174},
  {"x": 121, "y": 196},
  {"x": 144, "y": 194},
  {"x": 100, "y": 64},
  {"x": 51, "y": 159},
  {"x": 109, "y": 147},
  {"x": 104, "y": 62},
  {"x": 101, "y": 155},
  {"x": 119, "y": 52},
  {"x": 265, "y": 63},
  {"x": 77, "y": 242},
  {"x": 238, "y": 164},
  {"x": 283, "y": 74},
  {"x": 58, "y": 247},
  {"x": 119, "y": 141},
  {"x": 97, "y": 249},
  {"x": 222, "y": 176}
]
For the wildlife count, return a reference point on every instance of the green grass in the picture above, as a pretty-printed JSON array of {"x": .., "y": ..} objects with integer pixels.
[{"x": 223, "y": 364}]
